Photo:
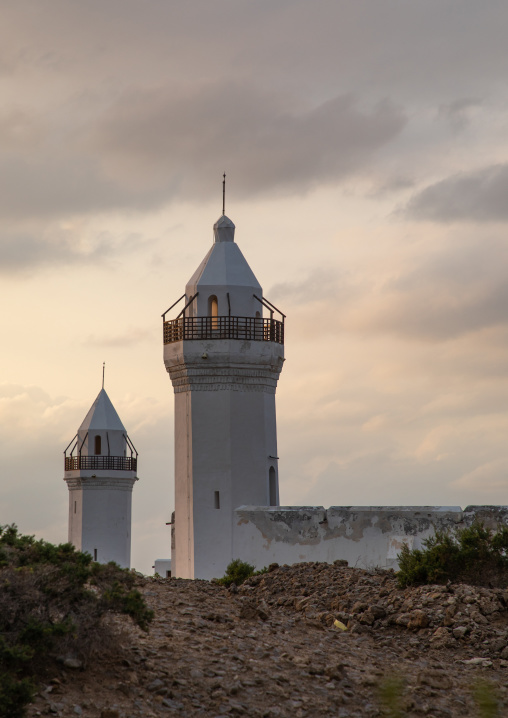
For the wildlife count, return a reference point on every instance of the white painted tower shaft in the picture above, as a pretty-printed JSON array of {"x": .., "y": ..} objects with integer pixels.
[
  {"x": 100, "y": 474},
  {"x": 224, "y": 360}
]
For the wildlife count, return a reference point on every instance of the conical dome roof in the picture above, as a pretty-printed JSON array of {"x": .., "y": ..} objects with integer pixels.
[
  {"x": 102, "y": 416},
  {"x": 224, "y": 265}
]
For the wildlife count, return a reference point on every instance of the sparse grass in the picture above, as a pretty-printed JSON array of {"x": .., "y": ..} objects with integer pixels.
[
  {"x": 391, "y": 695},
  {"x": 391, "y": 698},
  {"x": 486, "y": 699}
]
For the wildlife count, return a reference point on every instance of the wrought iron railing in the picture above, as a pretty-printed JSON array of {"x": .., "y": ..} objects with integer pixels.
[
  {"x": 245, "y": 328},
  {"x": 109, "y": 463}
]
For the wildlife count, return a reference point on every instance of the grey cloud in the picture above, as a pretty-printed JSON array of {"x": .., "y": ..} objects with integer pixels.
[
  {"x": 256, "y": 103},
  {"x": 461, "y": 290},
  {"x": 265, "y": 141},
  {"x": 151, "y": 147},
  {"x": 55, "y": 183},
  {"x": 319, "y": 285},
  {"x": 431, "y": 317},
  {"x": 478, "y": 196},
  {"x": 23, "y": 252},
  {"x": 20, "y": 130},
  {"x": 458, "y": 292},
  {"x": 392, "y": 185},
  {"x": 458, "y": 112},
  {"x": 425, "y": 47}
]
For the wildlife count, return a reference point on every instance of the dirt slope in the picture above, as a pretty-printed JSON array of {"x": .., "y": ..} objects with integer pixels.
[{"x": 272, "y": 648}]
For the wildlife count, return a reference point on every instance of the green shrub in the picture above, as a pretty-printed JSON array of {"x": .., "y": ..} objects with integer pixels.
[
  {"x": 475, "y": 555},
  {"x": 15, "y": 694},
  {"x": 237, "y": 572},
  {"x": 54, "y": 601}
]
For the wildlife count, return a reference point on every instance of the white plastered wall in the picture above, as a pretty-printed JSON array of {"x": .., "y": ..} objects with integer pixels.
[
  {"x": 365, "y": 536},
  {"x": 75, "y": 517},
  {"x": 225, "y": 434},
  {"x": 100, "y": 510},
  {"x": 183, "y": 553},
  {"x": 106, "y": 523}
]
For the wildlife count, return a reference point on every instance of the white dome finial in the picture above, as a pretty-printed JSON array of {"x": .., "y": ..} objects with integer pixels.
[{"x": 224, "y": 230}]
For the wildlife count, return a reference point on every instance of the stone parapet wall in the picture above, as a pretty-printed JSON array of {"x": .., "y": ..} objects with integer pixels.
[{"x": 365, "y": 536}]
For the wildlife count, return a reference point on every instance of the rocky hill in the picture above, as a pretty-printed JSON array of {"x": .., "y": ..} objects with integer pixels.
[{"x": 304, "y": 640}]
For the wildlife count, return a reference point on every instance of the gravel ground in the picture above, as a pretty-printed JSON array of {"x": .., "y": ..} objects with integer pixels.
[{"x": 277, "y": 647}]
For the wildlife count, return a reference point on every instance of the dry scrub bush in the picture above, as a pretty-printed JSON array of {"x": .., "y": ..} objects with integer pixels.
[
  {"x": 54, "y": 601},
  {"x": 475, "y": 555},
  {"x": 237, "y": 572}
]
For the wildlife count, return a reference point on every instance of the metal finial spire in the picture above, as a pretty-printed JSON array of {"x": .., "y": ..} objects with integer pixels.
[
  {"x": 103, "y": 372},
  {"x": 224, "y": 194}
]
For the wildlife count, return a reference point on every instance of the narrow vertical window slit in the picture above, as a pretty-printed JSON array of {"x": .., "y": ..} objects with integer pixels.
[{"x": 272, "y": 486}]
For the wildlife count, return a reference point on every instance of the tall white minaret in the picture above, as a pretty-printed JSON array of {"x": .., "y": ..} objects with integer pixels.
[
  {"x": 224, "y": 359},
  {"x": 100, "y": 472}
]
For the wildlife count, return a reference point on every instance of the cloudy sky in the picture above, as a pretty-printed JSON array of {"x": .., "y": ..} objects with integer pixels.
[{"x": 366, "y": 149}]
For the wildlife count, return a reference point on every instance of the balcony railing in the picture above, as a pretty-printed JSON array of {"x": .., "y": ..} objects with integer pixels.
[
  {"x": 108, "y": 463},
  {"x": 256, "y": 329}
]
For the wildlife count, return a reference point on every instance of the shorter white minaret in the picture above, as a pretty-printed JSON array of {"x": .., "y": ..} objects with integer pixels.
[{"x": 100, "y": 473}]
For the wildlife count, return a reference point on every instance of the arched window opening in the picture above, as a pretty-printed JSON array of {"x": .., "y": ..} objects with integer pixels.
[
  {"x": 213, "y": 311},
  {"x": 216, "y": 499},
  {"x": 97, "y": 445},
  {"x": 272, "y": 486}
]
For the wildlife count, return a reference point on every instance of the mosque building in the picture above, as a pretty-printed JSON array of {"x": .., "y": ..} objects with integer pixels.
[{"x": 224, "y": 352}]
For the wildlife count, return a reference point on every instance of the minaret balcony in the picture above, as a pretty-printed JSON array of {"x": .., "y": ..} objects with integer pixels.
[
  {"x": 244, "y": 328},
  {"x": 105, "y": 463}
]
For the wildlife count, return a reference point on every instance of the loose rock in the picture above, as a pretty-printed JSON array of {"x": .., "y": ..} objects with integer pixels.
[{"x": 273, "y": 648}]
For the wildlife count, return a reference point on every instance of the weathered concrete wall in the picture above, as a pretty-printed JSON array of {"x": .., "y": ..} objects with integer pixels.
[{"x": 366, "y": 536}]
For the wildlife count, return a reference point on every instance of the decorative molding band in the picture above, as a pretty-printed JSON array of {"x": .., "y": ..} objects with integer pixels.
[
  {"x": 212, "y": 378},
  {"x": 82, "y": 482},
  {"x": 223, "y": 387}
]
